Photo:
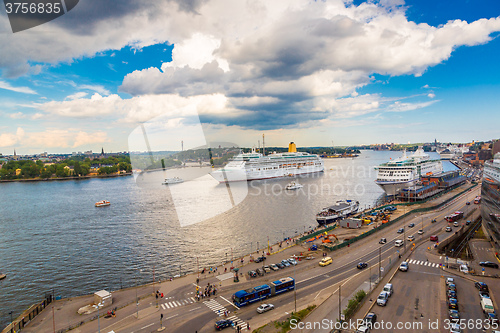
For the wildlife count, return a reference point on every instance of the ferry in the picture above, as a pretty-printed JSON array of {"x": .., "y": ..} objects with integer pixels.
[
  {"x": 341, "y": 209},
  {"x": 175, "y": 180},
  {"x": 102, "y": 203},
  {"x": 293, "y": 186},
  {"x": 405, "y": 171},
  {"x": 253, "y": 166}
]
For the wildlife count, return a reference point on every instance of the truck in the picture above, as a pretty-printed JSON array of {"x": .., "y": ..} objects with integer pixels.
[
  {"x": 454, "y": 217},
  {"x": 487, "y": 305}
]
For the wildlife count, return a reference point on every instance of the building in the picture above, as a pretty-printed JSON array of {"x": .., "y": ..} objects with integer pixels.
[
  {"x": 490, "y": 201},
  {"x": 351, "y": 223}
]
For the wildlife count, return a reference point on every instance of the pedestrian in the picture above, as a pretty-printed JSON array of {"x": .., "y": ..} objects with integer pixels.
[{"x": 248, "y": 326}]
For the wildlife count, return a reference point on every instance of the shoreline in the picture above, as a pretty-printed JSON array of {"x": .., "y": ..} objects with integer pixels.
[{"x": 64, "y": 178}]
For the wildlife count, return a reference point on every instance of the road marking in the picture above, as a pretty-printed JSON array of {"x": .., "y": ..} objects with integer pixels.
[
  {"x": 193, "y": 299},
  {"x": 195, "y": 309},
  {"x": 318, "y": 294},
  {"x": 170, "y": 317},
  {"x": 147, "y": 326},
  {"x": 229, "y": 302}
]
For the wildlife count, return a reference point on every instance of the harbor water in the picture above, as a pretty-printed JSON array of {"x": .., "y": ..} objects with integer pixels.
[{"x": 54, "y": 240}]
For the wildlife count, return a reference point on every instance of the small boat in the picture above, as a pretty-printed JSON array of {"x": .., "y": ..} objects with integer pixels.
[
  {"x": 341, "y": 209},
  {"x": 294, "y": 186},
  {"x": 175, "y": 180},
  {"x": 102, "y": 203},
  {"x": 2, "y": 276}
]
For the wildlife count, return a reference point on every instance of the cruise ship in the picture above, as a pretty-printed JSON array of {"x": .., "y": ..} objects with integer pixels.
[
  {"x": 405, "y": 171},
  {"x": 252, "y": 166}
]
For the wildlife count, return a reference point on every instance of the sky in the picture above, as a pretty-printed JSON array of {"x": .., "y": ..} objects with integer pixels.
[{"x": 314, "y": 72}]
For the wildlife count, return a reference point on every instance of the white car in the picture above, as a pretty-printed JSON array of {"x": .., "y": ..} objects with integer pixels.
[
  {"x": 420, "y": 232},
  {"x": 403, "y": 267},
  {"x": 265, "y": 307},
  {"x": 274, "y": 267},
  {"x": 411, "y": 238},
  {"x": 382, "y": 299},
  {"x": 399, "y": 243},
  {"x": 292, "y": 261}
]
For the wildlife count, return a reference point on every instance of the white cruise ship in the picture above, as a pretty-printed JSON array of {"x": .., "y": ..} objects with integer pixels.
[
  {"x": 492, "y": 169},
  {"x": 405, "y": 171},
  {"x": 252, "y": 166}
]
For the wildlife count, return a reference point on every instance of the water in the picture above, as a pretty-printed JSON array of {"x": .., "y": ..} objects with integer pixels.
[{"x": 53, "y": 238}]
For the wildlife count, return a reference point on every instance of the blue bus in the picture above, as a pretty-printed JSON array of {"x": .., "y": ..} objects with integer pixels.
[{"x": 244, "y": 297}]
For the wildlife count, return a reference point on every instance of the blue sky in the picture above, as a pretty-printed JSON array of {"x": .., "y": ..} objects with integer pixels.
[{"x": 310, "y": 72}]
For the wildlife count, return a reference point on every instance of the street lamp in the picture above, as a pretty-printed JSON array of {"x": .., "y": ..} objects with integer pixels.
[
  {"x": 98, "y": 321},
  {"x": 11, "y": 322}
]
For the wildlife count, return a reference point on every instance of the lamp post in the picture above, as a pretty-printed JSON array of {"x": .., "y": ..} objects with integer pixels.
[
  {"x": 295, "y": 288},
  {"x": 11, "y": 322},
  {"x": 98, "y": 317}
]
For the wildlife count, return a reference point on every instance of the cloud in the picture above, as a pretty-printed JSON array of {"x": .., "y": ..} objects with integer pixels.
[
  {"x": 77, "y": 95},
  {"x": 431, "y": 95},
  {"x": 403, "y": 107},
  {"x": 85, "y": 139},
  {"x": 17, "y": 115},
  {"x": 97, "y": 88},
  {"x": 11, "y": 139},
  {"x": 24, "y": 90},
  {"x": 52, "y": 138}
]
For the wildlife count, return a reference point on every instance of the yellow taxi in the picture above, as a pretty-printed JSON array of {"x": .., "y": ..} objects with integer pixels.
[{"x": 325, "y": 261}]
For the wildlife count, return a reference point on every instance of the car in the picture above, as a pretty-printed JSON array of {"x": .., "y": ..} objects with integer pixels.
[
  {"x": 464, "y": 269},
  {"x": 452, "y": 294},
  {"x": 260, "y": 259},
  {"x": 264, "y": 308},
  {"x": 292, "y": 261},
  {"x": 450, "y": 280},
  {"x": 467, "y": 203},
  {"x": 266, "y": 269},
  {"x": 434, "y": 238},
  {"x": 455, "y": 328},
  {"x": 221, "y": 324},
  {"x": 484, "y": 294},
  {"x": 370, "y": 319},
  {"x": 399, "y": 243},
  {"x": 452, "y": 303},
  {"x": 252, "y": 273},
  {"x": 309, "y": 257},
  {"x": 481, "y": 286},
  {"x": 382, "y": 299},
  {"x": 448, "y": 229},
  {"x": 411, "y": 225},
  {"x": 492, "y": 317},
  {"x": 362, "y": 265},
  {"x": 452, "y": 286},
  {"x": 363, "y": 329},
  {"x": 274, "y": 267},
  {"x": 325, "y": 261},
  {"x": 433, "y": 220},
  {"x": 488, "y": 264},
  {"x": 260, "y": 271},
  {"x": 467, "y": 222},
  {"x": 280, "y": 265},
  {"x": 420, "y": 231},
  {"x": 455, "y": 224},
  {"x": 388, "y": 289},
  {"x": 382, "y": 241},
  {"x": 285, "y": 263},
  {"x": 454, "y": 315},
  {"x": 403, "y": 267},
  {"x": 401, "y": 230},
  {"x": 411, "y": 238}
]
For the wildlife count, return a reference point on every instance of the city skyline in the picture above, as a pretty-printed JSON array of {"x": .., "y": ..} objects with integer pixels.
[{"x": 321, "y": 73}]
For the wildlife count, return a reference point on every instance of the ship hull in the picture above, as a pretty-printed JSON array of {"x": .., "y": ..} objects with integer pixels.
[
  {"x": 232, "y": 175},
  {"x": 393, "y": 188}
]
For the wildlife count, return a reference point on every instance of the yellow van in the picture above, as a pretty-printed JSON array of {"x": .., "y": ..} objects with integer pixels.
[{"x": 325, "y": 261}]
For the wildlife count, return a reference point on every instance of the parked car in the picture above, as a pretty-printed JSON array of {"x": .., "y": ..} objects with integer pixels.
[
  {"x": 448, "y": 229},
  {"x": 488, "y": 264},
  {"x": 420, "y": 231},
  {"x": 452, "y": 294},
  {"x": 260, "y": 271},
  {"x": 285, "y": 263},
  {"x": 292, "y": 261},
  {"x": 411, "y": 225},
  {"x": 252, "y": 273},
  {"x": 403, "y": 267},
  {"x": 325, "y": 261},
  {"x": 274, "y": 267},
  {"x": 280, "y": 265},
  {"x": 221, "y": 324},
  {"x": 388, "y": 289},
  {"x": 452, "y": 286},
  {"x": 454, "y": 315},
  {"x": 450, "y": 280},
  {"x": 264, "y": 308},
  {"x": 411, "y": 238},
  {"x": 382, "y": 241},
  {"x": 492, "y": 318},
  {"x": 464, "y": 269},
  {"x": 266, "y": 269},
  {"x": 382, "y": 299},
  {"x": 455, "y": 328},
  {"x": 401, "y": 230},
  {"x": 452, "y": 304},
  {"x": 481, "y": 286},
  {"x": 362, "y": 265},
  {"x": 484, "y": 294},
  {"x": 370, "y": 319},
  {"x": 260, "y": 259}
]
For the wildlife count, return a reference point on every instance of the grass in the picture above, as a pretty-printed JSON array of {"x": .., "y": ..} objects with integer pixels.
[
  {"x": 353, "y": 303},
  {"x": 284, "y": 326}
]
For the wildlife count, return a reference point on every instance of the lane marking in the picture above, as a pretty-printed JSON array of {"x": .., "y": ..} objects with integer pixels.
[
  {"x": 170, "y": 317},
  {"x": 147, "y": 326},
  {"x": 229, "y": 302},
  {"x": 195, "y": 309}
]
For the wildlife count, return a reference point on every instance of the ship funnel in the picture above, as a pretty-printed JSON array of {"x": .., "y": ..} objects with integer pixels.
[{"x": 292, "y": 148}]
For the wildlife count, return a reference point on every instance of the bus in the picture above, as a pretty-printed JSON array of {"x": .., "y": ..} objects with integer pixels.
[
  {"x": 245, "y": 297},
  {"x": 454, "y": 217},
  {"x": 477, "y": 200}
]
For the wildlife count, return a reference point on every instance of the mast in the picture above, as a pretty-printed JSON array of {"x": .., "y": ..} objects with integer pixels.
[{"x": 263, "y": 146}]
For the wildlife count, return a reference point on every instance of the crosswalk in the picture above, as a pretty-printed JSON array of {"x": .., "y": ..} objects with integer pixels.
[
  {"x": 174, "y": 304},
  {"x": 423, "y": 263},
  {"x": 219, "y": 310}
]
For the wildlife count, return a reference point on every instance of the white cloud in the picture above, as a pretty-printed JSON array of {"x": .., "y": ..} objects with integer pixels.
[
  {"x": 77, "y": 95},
  {"x": 97, "y": 88},
  {"x": 431, "y": 95},
  {"x": 24, "y": 90},
  {"x": 17, "y": 115},
  {"x": 36, "y": 116},
  {"x": 403, "y": 107},
  {"x": 11, "y": 139}
]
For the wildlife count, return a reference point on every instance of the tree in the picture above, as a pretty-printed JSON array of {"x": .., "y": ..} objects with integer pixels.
[{"x": 77, "y": 168}]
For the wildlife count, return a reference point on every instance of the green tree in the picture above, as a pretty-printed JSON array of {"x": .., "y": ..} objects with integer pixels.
[{"x": 77, "y": 168}]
